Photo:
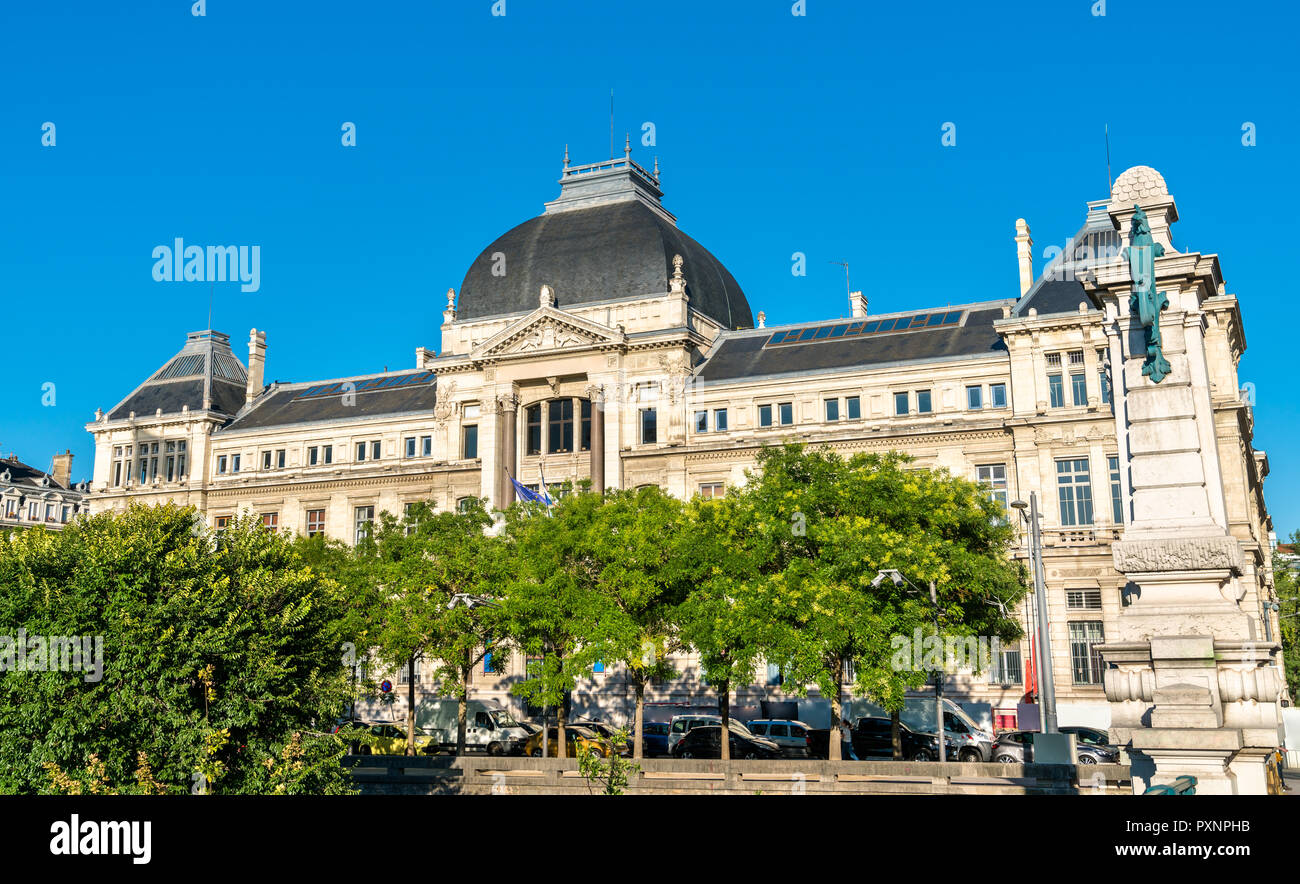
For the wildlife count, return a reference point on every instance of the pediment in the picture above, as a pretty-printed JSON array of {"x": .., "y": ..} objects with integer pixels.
[{"x": 547, "y": 330}]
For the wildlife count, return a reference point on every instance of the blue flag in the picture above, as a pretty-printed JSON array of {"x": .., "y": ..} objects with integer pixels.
[{"x": 527, "y": 494}]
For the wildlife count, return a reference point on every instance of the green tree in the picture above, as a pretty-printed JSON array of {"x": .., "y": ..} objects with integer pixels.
[
  {"x": 1286, "y": 585},
  {"x": 221, "y": 664},
  {"x": 639, "y": 572},
  {"x": 724, "y": 617},
  {"x": 832, "y": 524},
  {"x": 410, "y": 571},
  {"x": 551, "y": 603}
]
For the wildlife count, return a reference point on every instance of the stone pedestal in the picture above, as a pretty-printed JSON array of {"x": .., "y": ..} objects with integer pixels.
[{"x": 1193, "y": 690}]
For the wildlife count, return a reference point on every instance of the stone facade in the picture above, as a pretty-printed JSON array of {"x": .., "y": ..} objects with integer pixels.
[{"x": 629, "y": 364}]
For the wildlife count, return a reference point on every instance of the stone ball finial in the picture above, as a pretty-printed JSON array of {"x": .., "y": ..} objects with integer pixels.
[{"x": 1140, "y": 184}]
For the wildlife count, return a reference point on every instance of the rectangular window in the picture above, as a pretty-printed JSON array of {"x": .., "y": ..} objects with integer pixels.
[
  {"x": 266, "y": 460},
  {"x": 765, "y": 415},
  {"x": 271, "y": 520},
  {"x": 1076, "y": 357},
  {"x": 33, "y": 511},
  {"x": 328, "y": 454},
  {"x": 900, "y": 404},
  {"x": 361, "y": 451},
  {"x": 67, "y": 513},
  {"x": 786, "y": 412},
  {"x": 426, "y": 446},
  {"x": 584, "y": 437},
  {"x": 409, "y": 444},
  {"x": 315, "y": 522},
  {"x": 923, "y": 402},
  {"x": 1083, "y": 599},
  {"x": 994, "y": 478},
  {"x": 533, "y": 429},
  {"x": 974, "y": 397},
  {"x": 853, "y": 405},
  {"x": 234, "y": 463},
  {"x": 279, "y": 459},
  {"x": 998, "y": 395},
  {"x": 1075, "y": 491},
  {"x": 469, "y": 442},
  {"x": 1056, "y": 390},
  {"x": 313, "y": 453},
  {"x": 710, "y": 490},
  {"x": 559, "y": 425},
  {"x": 1006, "y": 668},
  {"x": 1116, "y": 495},
  {"x": 832, "y": 409},
  {"x": 720, "y": 420},
  {"x": 649, "y": 426},
  {"x": 1079, "y": 388},
  {"x": 365, "y": 515},
  {"x": 1053, "y": 360},
  {"x": 1085, "y": 659},
  {"x": 701, "y": 421},
  {"x": 375, "y": 450},
  {"x": 221, "y": 464},
  {"x": 1103, "y": 377},
  {"x": 49, "y": 512},
  {"x": 221, "y": 522}
]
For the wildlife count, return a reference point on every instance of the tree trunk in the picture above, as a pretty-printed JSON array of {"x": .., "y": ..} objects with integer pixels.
[
  {"x": 896, "y": 735},
  {"x": 724, "y": 706},
  {"x": 462, "y": 707},
  {"x": 638, "y": 720},
  {"x": 560, "y": 718},
  {"x": 834, "y": 752},
  {"x": 410, "y": 707}
]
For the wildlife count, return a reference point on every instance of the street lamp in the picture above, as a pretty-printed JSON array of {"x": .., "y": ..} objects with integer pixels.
[{"x": 1043, "y": 648}]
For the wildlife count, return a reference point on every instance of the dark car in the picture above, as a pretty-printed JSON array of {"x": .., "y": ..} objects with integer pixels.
[
  {"x": 874, "y": 738},
  {"x": 1092, "y": 738},
  {"x": 705, "y": 741},
  {"x": 654, "y": 738},
  {"x": 1017, "y": 747}
]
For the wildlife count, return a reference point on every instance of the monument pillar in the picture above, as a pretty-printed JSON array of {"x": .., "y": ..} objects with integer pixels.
[{"x": 1192, "y": 687}]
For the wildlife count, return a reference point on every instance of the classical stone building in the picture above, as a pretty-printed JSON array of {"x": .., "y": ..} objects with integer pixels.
[{"x": 598, "y": 341}]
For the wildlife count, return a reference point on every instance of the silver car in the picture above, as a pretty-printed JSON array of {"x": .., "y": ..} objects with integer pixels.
[
  {"x": 790, "y": 735},
  {"x": 1017, "y": 747}
]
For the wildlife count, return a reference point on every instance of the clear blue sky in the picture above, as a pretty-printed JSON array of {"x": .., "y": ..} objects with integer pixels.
[{"x": 776, "y": 134}]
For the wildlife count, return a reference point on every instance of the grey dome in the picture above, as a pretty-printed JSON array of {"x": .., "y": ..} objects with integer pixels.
[{"x": 608, "y": 251}]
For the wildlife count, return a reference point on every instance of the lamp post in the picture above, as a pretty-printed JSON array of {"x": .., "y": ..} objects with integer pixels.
[{"x": 1043, "y": 647}]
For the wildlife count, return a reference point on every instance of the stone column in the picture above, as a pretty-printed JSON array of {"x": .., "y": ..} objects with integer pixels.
[
  {"x": 507, "y": 412},
  {"x": 596, "y": 394},
  {"x": 1192, "y": 686}
]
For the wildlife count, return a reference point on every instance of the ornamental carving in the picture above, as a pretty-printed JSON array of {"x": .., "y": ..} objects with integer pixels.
[
  {"x": 1260, "y": 684},
  {"x": 1192, "y": 554},
  {"x": 1129, "y": 684},
  {"x": 443, "y": 407}
]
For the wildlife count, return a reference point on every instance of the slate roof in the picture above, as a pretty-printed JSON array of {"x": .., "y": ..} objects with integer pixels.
[
  {"x": 618, "y": 250},
  {"x": 285, "y": 405},
  {"x": 25, "y": 475},
  {"x": 205, "y": 366},
  {"x": 747, "y": 355}
]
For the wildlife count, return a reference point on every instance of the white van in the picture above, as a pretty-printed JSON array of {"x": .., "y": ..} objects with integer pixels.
[{"x": 489, "y": 726}]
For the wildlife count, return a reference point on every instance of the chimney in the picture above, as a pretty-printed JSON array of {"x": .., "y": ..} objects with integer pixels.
[
  {"x": 256, "y": 363},
  {"x": 1024, "y": 255},
  {"x": 63, "y": 468},
  {"x": 858, "y": 304}
]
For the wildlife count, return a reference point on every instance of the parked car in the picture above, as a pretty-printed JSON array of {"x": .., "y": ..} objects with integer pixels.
[
  {"x": 791, "y": 736},
  {"x": 489, "y": 726},
  {"x": 1017, "y": 747},
  {"x": 581, "y": 742},
  {"x": 654, "y": 738},
  {"x": 604, "y": 731},
  {"x": 348, "y": 729},
  {"x": 1091, "y": 736},
  {"x": 705, "y": 741},
  {"x": 390, "y": 739},
  {"x": 874, "y": 738},
  {"x": 682, "y": 724}
]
